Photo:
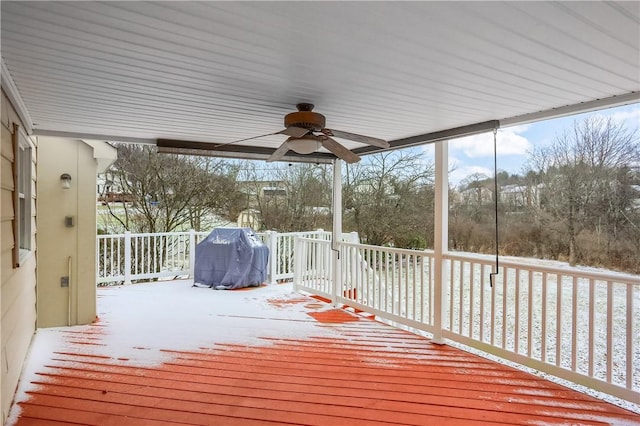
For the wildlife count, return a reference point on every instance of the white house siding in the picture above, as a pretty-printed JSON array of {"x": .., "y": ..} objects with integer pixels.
[{"x": 18, "y": 289}]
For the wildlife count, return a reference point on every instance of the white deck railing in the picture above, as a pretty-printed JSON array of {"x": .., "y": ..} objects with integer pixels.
[
  {"x": 578, "y": 325},
  {"x": 281, "y": 251},
  {"x": 128, "y": 257},
  {"x": 574, "y": 324},
  {"x": 123, "y": 258}
]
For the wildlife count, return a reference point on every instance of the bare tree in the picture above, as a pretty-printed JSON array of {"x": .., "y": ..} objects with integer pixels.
[
  {"x": 388, "y": 199},
  {"x": 291, "y": 198},
  {"x": 162, "y": 193},
  {"x": 586, "y": 173}
]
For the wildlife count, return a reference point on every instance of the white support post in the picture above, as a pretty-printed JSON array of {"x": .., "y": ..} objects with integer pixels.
[
  {"x": 299, "y": 256},
  {"x": 127, "y": 257},
  {"x": 192, "y": 254},
  {"x": 336, "y": 276},
  {"x": 441, "y": 237},
  {"x": 274, "y": 256}
]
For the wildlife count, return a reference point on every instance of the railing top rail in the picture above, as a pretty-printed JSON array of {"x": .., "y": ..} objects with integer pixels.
[
  {"x": 412, "y": 252},
  {"x": 510, "y": 263},
  {"x": 537, "y": 267},
  {"x": 149, "y": 234},
  {"x": 303, "y": 233},
  {"x": 144, "y": 234},
  {"x": 314, "y": 240},
  {"x": 108, "y": 236}
]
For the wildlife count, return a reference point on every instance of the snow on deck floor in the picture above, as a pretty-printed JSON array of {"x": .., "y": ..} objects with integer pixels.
[{"x": 168, "y": 353}]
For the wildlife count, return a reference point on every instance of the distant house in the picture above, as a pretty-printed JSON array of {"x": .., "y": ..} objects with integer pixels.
[
  {"x": 477, "y": 194},
  {"x": 518, "y": 197},
  {"x": 273, "y": 191},
  {"x": 512, "y": 197},
  {"x": 254, "y": 189},
  {"x": 250, "y": 218},
  {"x": 110, "y": 191}
]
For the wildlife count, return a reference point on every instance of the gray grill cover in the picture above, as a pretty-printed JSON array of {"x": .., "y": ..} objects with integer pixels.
[{"x": 231, "y": 258}]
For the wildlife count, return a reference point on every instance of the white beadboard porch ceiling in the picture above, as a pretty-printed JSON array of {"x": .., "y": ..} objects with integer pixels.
[{"x": 215, "y": 72}]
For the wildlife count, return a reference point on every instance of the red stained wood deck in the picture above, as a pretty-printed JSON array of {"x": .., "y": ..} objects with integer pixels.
[{"x": 362, "y": 373}]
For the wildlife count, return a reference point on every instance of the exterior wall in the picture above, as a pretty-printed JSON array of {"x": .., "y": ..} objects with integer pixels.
[
  {"x": 66, "y": 251},
  {"x": 249, "y": 218},
  {"x": 18, "y": 289}
]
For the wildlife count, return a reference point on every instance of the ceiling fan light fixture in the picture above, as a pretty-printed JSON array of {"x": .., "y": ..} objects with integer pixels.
[{"x": 304, "y": 145}]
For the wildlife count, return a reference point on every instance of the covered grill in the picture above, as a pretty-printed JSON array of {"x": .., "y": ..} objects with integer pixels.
[{"x": 231, "y": 258}]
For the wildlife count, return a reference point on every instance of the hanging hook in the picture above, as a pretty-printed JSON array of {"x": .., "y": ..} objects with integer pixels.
[{"x": 493, "y": 274}]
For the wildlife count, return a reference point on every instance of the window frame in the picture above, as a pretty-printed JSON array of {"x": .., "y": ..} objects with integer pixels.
[{"x": 22, "y": 195}]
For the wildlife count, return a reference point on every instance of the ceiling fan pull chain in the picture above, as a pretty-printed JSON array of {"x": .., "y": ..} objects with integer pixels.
[{"x": 492, "y": 275}]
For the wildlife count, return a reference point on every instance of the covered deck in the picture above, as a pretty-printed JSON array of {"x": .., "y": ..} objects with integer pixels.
[
  {"x": 168, "y": 353},
  {"x": 210, "y": 78}
]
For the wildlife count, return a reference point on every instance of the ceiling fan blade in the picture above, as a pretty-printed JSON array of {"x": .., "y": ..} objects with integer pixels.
[
  {"x": 357, "y": 138},
  {"x": 280, "y": 152},
  {"x": 339, "y": 150},
  {"x": 296, "y": 132},
  {"x": 246, "y": 139}
]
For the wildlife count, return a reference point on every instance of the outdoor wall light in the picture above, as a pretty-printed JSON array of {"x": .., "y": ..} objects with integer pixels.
[{"x": 65, "y": 180}]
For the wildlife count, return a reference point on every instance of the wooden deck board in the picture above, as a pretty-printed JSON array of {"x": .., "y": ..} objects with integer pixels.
[{"x": 365, "y": 373}]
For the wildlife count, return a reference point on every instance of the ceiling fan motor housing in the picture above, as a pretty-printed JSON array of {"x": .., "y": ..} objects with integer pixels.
[{"x": 305, "y": 118}]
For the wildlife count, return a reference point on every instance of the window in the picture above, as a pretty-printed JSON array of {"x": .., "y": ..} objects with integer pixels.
[{"x": 22, "y": 167}]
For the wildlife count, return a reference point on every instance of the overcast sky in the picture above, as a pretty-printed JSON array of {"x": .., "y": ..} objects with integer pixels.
[{"x": 474, "y": 154}]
